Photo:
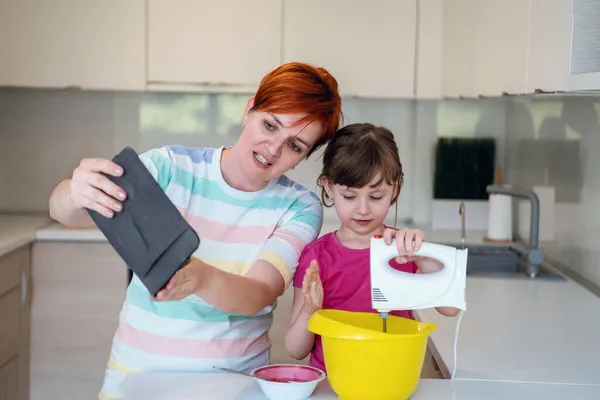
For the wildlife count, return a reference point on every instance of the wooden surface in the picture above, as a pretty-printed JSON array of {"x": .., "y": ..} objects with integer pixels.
[{"x": 14, "y": 324}]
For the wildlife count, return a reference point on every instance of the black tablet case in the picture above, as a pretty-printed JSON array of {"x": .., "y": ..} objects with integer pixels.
[{"x": 149, "y": 234}]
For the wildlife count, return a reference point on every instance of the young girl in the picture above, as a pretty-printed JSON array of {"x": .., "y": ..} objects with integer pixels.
[{"x": 362, "y": 176}]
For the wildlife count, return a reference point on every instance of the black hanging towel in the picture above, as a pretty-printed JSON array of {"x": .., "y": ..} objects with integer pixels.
[{"x": 464, "y": 167}]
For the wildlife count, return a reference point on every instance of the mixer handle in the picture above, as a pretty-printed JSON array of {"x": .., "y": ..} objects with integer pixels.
[{"x": 442, "y": 253}]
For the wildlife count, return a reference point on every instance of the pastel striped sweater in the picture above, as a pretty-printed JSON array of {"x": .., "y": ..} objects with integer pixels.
[{"x": 236, "y": 228}]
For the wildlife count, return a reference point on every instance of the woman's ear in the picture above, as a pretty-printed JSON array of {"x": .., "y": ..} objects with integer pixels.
[{"x": 249, "y": 106}]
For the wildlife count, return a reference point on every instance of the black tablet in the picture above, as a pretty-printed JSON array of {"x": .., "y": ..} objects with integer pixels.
[{"x": 149, "y": 234}]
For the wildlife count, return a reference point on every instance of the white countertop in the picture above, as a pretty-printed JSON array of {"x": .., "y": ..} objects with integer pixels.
[
  {"x": 146, "y": 386},
  {"x": 57, "y": 232},
  {"x": 19, "y": 229},
  {"x": 523, "y": 330}
]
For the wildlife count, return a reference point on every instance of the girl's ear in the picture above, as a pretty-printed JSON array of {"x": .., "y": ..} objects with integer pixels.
[
  {"x": 328, "y": 186},
  {"x": 396, "y": 193}
]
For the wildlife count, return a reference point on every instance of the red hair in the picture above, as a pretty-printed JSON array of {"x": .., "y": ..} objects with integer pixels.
[{"x": 302, "y": 88}]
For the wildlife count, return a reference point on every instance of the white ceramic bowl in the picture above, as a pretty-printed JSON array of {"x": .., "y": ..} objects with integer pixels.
[{"x": 304, "y": 380}]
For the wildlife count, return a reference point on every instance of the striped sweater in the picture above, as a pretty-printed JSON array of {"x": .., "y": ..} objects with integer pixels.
[{"x": 235, "y": 228}]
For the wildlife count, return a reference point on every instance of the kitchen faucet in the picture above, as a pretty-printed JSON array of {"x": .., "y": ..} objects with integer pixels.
[{"x": 535, "y": 255}]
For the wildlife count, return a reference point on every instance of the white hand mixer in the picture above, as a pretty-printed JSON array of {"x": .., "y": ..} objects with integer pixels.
[{"x": 396, "y": 290}]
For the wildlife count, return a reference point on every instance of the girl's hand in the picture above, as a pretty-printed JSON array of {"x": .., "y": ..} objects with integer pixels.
[
  {"x": 89, "y": 188},
  {"x": 404, "y": 242},
  {"x": 312, "y": 288},
  {"x": 184, "y": 283}
]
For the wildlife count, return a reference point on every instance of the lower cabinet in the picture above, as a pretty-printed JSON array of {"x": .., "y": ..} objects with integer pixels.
[
  {"x": 15, "y": 295},
  {"x": 78, "y": 292}
]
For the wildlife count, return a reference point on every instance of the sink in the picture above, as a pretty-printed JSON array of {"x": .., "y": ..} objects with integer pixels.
[{"x": 504, "y": 261}]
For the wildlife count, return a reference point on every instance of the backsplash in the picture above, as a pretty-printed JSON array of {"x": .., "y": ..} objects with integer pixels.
[
  {"x": 45, "y": 133},
  {"x": 557, "y": 140}
]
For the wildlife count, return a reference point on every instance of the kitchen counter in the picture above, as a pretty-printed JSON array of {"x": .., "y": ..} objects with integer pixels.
[
  {"x": 19, "y": 229},
  {"x": 147, "y": 386},
  {"x": 56, "y": 231},
  {"x": 516, "y": 329}
]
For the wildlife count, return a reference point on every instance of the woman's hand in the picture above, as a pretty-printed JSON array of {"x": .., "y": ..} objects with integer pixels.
[
  {"x": 312, "y": 288},
  {"x": 184, "y": 283},
  {"x": 89, "y": 188}
]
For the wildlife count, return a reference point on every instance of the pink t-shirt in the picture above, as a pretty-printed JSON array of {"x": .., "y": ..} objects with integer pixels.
[{"x": 346, "y": 280}]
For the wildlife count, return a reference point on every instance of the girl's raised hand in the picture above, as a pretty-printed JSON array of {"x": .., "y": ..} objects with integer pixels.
[
  {"x": 407, "y": 240},
  {"x": 312, "y": 288}
]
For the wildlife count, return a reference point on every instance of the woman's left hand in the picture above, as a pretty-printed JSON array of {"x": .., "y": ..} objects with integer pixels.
[{"x": 184, "y": 283}]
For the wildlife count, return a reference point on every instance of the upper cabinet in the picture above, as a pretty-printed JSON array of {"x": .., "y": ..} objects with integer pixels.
[
  {"x": 499, "y": 46},
  {"x": 88, "y": 44},
  {"x": 584, "y": 67},
  {"x": 368, "y": 45},
  {"x": 424, "y": 49},
  {"x": 212, "y": 45},
  {"x": 457, "y": 48},
  {"x": 549, "y": 45},
  {"x": 485, "y": 47}
]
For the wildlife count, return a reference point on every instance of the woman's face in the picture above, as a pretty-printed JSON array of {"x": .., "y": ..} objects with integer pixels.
[{"x": 270, "y": 145}]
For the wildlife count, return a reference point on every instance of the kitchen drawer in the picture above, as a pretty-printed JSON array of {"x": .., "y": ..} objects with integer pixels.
[
  {"x": 9, "y": 377},
  {"x": 10, "y": 270},
  {"x": 10, "y": 309}
]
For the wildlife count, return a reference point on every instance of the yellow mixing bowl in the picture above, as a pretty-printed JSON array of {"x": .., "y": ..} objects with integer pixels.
[{"x": 365, "y": 363}]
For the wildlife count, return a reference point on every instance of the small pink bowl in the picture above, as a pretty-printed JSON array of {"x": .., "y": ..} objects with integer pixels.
[{"x": 302, "y": 379}]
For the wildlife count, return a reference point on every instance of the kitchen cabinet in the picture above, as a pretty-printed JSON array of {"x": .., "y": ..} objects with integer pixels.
[
  {"x": 86, "y": 44},
  {"x": 549, "y": 45},
  {"x": 500, "y": 45},
  {"x": 496, "y": 47},
  {"x": 457, "y": 60},
  {"x": 212, "y": 45},
  {"x": 485, "y": 47},
  {"x": 15, "y": 296},
  {"x": 368, "y": 45},
  {"x": 79, "y": 289},
  {"x": 430, "y": 49},
  {"x": 584, "y": 55}
]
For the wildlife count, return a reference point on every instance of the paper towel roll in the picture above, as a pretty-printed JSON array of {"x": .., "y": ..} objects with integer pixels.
[
  {"x": 500, "y": 218},
  {"x": 546, "y": 194}
]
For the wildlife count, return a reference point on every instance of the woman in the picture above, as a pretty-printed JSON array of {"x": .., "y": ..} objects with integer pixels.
[{"x": 252, "y": 220}]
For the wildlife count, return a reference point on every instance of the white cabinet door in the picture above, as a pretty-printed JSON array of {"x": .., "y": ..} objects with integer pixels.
[
  {"x": 550, "y": 45},
  {"x": 458, "y": 41},
  {"x": 430, "y": 50},
  {"x": 501, "y": 38},
  {"x": 92, "y": 44},
  {"x": 584, "y": 54},
  {"x": 368, "y": 45},
  {"x": 213, "y": 42}
]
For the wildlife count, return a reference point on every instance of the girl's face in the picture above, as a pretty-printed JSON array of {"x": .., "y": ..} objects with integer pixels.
[
  {"x": 362, "y": 210},
  {"x": 270, "y": 146}
]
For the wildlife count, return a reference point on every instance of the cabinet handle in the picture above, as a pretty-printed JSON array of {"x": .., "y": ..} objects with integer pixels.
[{"x": 23, "y": 288}]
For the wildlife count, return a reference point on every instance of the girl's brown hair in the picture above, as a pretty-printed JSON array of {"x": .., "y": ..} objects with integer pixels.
[{"x": 356, "y": 154}]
